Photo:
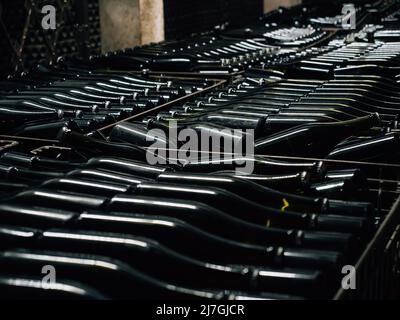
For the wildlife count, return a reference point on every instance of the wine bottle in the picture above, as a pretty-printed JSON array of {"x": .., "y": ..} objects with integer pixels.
[
  {"x": 119, "y": 280},
  {"x": 306, "y": 140},
  {"x": 231, "y": 121},
  {"x": 380, "y": 147},
  {"x": 24, "y": 288},
  {"x": 253, "y": 191},
  {"x": 284, "y": 182},
  {"x": 95, "y": 147},
  {"x": 137, "y": 134}
]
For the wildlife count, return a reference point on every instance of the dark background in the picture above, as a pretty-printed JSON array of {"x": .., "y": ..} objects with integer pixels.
[
  {"x": 23, "y": 42},
  {"x": 184, "y": 17}
]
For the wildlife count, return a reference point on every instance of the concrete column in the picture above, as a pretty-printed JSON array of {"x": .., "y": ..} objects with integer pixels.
[
  {"x": 152, "y": 21},
  {"x": 128, "y": 23},
  {"x": 270, "y": 5}
]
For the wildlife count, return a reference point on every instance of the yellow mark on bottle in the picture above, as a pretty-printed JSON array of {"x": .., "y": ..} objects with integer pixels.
[
  {"x": 268, "y": 223},
  {"x": 285, "y": 205}
]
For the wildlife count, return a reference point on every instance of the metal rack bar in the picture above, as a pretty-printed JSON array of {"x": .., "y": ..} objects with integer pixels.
[
  {"x": 164, "y": 106},
  {"x": 375, "y": 261}
]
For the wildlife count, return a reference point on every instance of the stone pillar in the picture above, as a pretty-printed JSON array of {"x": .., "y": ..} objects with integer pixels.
[
  {"x": 128, "y": 23},
  {"x": 270, "y": 5},
  {"x": 152, "y": 20}
]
